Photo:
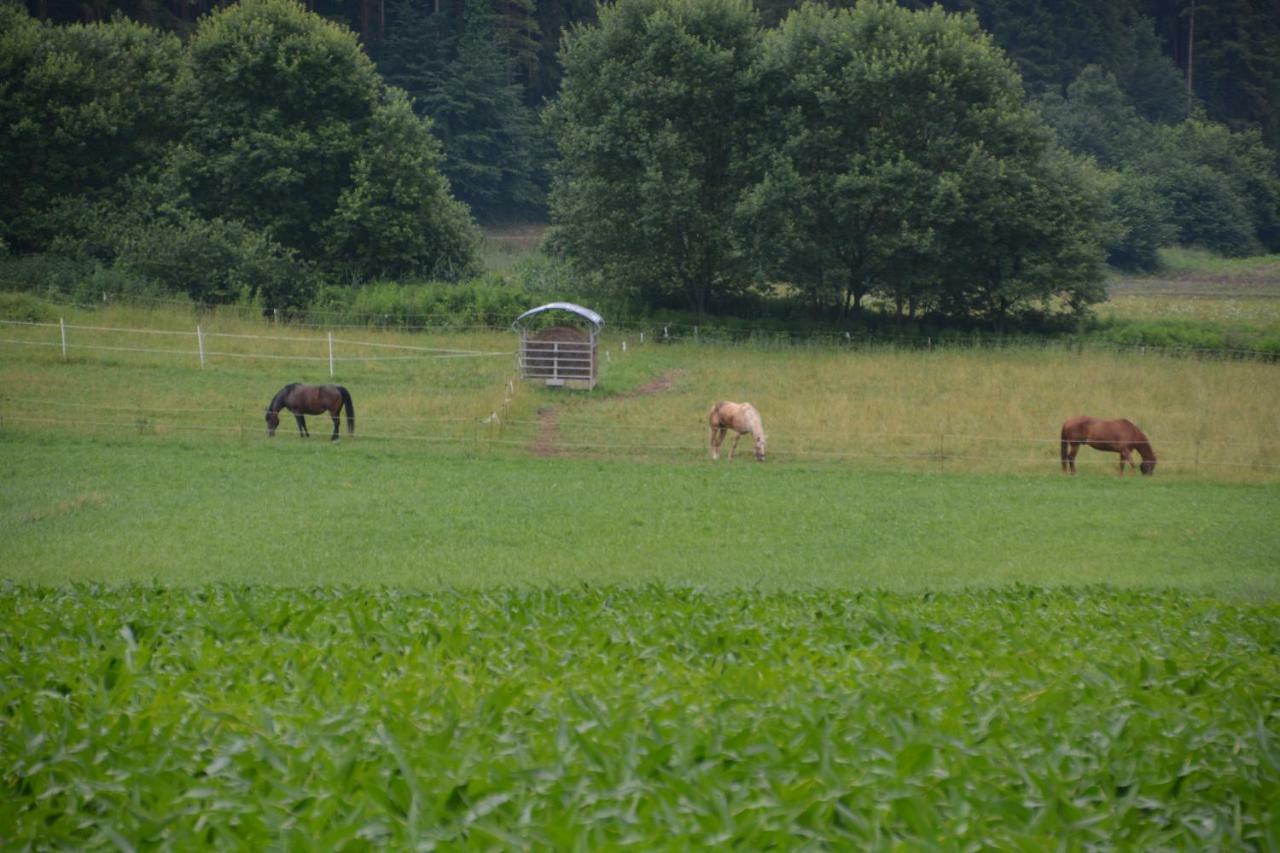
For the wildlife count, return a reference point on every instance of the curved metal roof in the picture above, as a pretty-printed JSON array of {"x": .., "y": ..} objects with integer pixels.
[{"x": 585, "y": 313}]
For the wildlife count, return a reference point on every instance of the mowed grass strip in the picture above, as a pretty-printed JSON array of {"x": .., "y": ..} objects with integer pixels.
[
  {"x": 293, "y": 512},
  {"x": 251, "y": 717}
]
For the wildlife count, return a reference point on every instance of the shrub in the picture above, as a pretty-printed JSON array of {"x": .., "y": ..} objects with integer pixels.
[
  {"x": 217, "y": 261},
  {"x": 26, "y": 308}
]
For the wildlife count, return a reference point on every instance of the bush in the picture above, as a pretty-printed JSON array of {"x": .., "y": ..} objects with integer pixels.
[
  {"x": 1139, "y": 223},
  {"x": 486, "y": 302},
  {"x": 1206, "y": 212},
  {"x": 45, "y": 274},
  {"x": 1168, "y": 333},
  {"x": 217, "y": 262},
  {"x": 26, "y": 308}
]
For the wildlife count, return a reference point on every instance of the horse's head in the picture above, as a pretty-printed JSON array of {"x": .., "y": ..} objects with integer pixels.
[
  {"x": 760, "y": 439},
  {"x": 1148, "y": 466},
  {"x": 273, "y": 421}
]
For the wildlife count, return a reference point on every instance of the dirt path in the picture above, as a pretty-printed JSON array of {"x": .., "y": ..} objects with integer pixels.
[
  {"x": 657, "y": 386},
  {"x": 546, "y": 442}
]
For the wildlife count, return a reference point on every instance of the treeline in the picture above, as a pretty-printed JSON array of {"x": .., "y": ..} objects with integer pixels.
[
  {"x": 877, "y": 151},
  {"x": 693, "y": 154},
  {"x": 254, "y": 161}
]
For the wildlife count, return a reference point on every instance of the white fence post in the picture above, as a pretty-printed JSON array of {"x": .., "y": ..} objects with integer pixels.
[
  {"x": 200, "y": 344},
  {"x": 62, "y": 327},
  {"x": 331, "y": 355}
]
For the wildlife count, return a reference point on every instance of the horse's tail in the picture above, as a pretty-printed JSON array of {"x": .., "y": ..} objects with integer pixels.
[{"x": 351, "y": 410}]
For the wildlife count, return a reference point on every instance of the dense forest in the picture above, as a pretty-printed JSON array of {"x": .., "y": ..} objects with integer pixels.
[{"x": 1107, "y": 128}]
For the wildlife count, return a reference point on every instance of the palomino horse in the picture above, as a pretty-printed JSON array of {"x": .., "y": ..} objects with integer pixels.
[
  {"x": 311, "y": 400},
  {"x": 742, "y": 418},
  {"x": 1118, "y": 436}
]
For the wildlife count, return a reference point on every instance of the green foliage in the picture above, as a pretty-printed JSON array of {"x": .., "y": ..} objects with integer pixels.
[
  {"x": 1096, "y": 118},
  {"x": 1236, "y": 71},
  {"x": 1138, "y": 224},
  {"x": 900, "y": 160},
  {"x": 418, "y": 304},
  {"x": 875, "y": 151},
  {"x": 247, "y": 716},
  {"x": 650, "y": 123},
  {"x": 213, "y": 261},
  {"x": 44, "y": 273},
  {"x": 290, "y": 131},
  {"x": 397, "y": 217},
  {"x": 1195, "y": 182},
  {"x": 26, "y": 308},
  {"x": 458, "y": 75},
  {"x": 278, "y": 101},
  {"x": 1223, "y": 188},
  {"x": 83, "y": 110},
  {"x": 1053, "y": 43}
]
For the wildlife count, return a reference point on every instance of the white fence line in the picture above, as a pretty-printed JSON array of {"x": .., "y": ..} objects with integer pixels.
[{"x": 203, "y": 354}]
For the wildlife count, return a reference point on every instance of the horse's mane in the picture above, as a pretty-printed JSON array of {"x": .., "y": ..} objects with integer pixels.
[
  {"x": 1141, "y": 443},
  {"x": 278, "y": 400}
]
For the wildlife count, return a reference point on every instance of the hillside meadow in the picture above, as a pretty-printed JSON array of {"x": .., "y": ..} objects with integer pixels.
[
  {"x": 510, "y": 616},
  {"x": 952, "y": 409}
]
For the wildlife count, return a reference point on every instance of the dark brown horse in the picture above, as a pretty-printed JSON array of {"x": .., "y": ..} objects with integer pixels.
[
  {"x": 311, "y": 400},
  {"x": 1118, "y": 436}
]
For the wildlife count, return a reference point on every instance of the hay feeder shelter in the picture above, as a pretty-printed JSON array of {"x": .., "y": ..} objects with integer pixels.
[{"x": 560, "y": 355}]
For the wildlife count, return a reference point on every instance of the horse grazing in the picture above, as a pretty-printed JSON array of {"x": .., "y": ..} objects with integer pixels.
[
  {"x": 311, "y": 400},
  {"x": 742, "y": 418},
  {"x": 1118, "y": 436}
]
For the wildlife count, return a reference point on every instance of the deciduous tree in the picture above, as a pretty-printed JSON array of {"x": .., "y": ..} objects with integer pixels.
[{"x": 651, "y": 121}]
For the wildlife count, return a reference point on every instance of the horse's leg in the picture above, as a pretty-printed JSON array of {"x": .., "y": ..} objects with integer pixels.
[
  {"x": 336, "y": 420},
  {"x": 1069, "y": 456},
  {"x": 736, "y": 435},
  {"x": 1125, "y": 457},
  {"x": 302, "y": 427}
]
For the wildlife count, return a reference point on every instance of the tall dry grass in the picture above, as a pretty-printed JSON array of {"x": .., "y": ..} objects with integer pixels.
[
  {"x": 945, "y": 409},
  {"x": 963, "y": 408}
]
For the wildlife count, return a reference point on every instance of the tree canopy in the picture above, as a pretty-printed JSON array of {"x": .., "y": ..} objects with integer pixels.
[
  {"x": 268, "y": 140},
  {"x": 703, "y": 149},
  {"x": 846, "y": 152},
  {"x": 651, "y": 122}
]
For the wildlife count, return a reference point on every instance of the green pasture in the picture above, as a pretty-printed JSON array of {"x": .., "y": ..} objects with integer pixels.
[
  {"x": 289, "y": 512},
  {"x": 132, "y": 371},
  {"x": 515, "y": 617}
]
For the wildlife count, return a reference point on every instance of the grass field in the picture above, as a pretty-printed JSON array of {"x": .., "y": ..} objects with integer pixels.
[
  {"x": 950, "y": 410},
  {"x": 564, "y": 627},
  {"x": 147, "y": 509},
  {"x": 1199, "y": 299}
]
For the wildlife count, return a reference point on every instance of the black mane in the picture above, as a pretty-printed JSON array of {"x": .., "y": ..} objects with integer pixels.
[{"x": 277, "y": 402}]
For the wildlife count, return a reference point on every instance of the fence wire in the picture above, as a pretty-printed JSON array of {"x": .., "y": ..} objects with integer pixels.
[{"x": 939, "y": 449}]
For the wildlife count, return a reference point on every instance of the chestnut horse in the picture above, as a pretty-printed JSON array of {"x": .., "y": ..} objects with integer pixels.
[
  {"x": 742, "y": 418},
  {"x": 1118, "y": 436},
  {"x": 311, "y": 400}
]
